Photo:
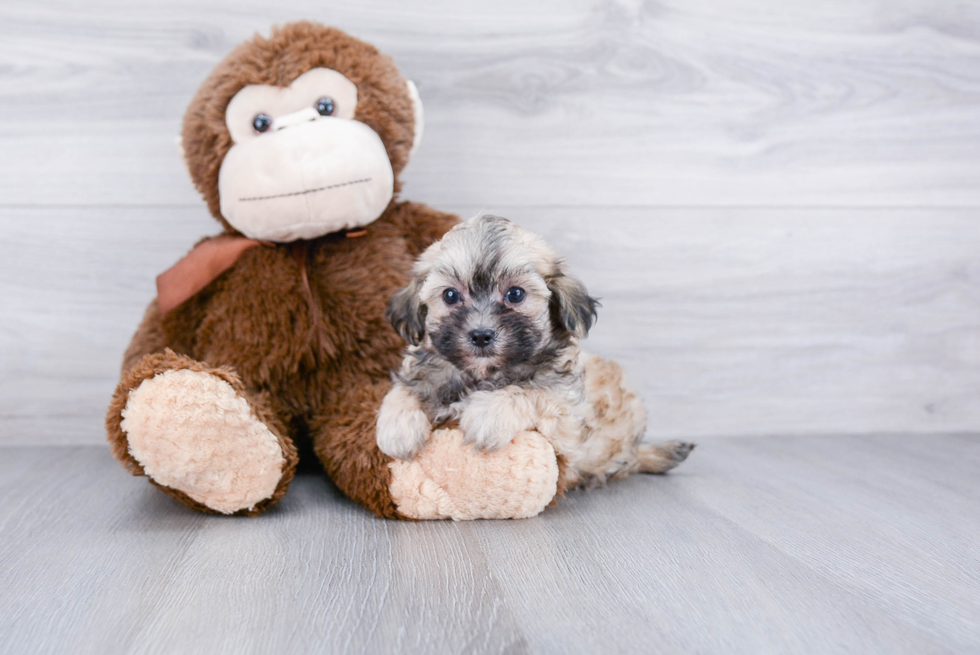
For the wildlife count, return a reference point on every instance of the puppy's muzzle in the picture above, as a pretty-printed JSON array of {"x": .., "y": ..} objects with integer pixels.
[{"x": 483, "y": 337}]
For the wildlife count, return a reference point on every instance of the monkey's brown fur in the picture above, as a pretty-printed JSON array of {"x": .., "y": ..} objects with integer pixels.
[{"x": 311, "y": 361}]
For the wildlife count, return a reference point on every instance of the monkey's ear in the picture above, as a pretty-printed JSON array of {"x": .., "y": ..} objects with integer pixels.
[
  {"x": 407, "y": 314},
  {"x": 413, "y": 93},
  {"x": 572, "y": 308}
]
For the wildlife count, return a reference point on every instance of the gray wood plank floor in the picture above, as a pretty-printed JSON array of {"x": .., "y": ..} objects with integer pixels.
[{"x": 756, "y": 545}]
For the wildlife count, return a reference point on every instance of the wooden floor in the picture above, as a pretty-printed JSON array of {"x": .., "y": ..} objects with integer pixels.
[{"x": 755, "y": 545}]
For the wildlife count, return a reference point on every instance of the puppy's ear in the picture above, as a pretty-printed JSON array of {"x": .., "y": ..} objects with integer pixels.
[
  {"x": 572, "y": 308},
  {"x": 407, "y": 314}
]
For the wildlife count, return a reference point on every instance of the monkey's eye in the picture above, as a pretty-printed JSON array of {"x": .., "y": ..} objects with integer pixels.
[
  {"x": 515, "y": 295},
  {"x": 325, "y": 106},
  {"x": 261, "y": 123},
  {"x": 450, "y": 296}
]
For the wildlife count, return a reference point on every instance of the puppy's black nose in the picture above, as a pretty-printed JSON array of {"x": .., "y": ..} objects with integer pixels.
[{"x": 483, "y": 337}]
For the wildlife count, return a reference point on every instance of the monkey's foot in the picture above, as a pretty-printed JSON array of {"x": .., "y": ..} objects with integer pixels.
[
  {"x": 451, "y": 480},
  {"x": 660, "y": 458},
  {"x": 195, "y": 435}
]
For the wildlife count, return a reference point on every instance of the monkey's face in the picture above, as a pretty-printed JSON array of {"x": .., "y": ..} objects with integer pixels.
[
  {"x": 492, "y": 298},
  {"x": 301, "y": 166},
  {"x": 301, "y": 134}
]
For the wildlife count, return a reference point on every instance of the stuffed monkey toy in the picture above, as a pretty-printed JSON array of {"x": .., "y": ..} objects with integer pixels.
[{"x": 270, "y": 339}]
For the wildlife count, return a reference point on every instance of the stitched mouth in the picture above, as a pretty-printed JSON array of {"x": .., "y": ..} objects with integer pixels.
[{"x": 308, "y": 191}]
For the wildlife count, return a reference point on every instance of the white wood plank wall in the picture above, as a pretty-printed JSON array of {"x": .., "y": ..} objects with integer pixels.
[{"x": 779, "y": 201}]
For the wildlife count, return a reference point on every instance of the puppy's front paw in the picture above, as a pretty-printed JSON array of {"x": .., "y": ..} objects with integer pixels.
[
  {"x": 403, "y": 428},
  {"x": 404, "y": 435},
  {"x": 489, "y": 422},
  {"x": 485, "y": 432}
]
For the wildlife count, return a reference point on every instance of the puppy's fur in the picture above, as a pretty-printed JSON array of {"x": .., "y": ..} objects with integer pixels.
[{"x": 502, "y": 361}]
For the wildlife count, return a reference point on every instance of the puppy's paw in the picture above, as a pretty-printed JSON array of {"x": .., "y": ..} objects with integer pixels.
[
  {"x": 485, "y": 433},
  {"x": 490, "y": 420},
  {"x": 403, "y": 428},
  {"x": 662, "y": 457},
  {"x": 403, "y": 435}
]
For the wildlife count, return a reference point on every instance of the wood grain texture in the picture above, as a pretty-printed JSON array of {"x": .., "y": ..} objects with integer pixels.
[
  {"x": 619, "y": 129},
  {"x": 756, "y": 102},
  {"x": 755, "y": 545},
  {"x": 729, "y": 321}
]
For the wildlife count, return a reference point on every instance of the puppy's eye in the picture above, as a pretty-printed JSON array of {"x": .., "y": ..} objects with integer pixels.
[
  {"x": 450, "y": 296},
  {"x": 515, "y": 295},
  {"x": 261, "y": 123},
  {"x": 325, "y": 106}
]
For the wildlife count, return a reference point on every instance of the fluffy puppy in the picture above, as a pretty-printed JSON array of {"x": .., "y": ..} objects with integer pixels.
[{"x": 494, "y": 324}]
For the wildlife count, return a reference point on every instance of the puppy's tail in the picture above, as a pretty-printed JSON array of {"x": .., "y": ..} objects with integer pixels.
[{"x": 660, "y": 458}]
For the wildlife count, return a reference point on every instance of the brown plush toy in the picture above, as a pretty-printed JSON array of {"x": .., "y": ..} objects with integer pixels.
[{"x": 273, "y": 334}]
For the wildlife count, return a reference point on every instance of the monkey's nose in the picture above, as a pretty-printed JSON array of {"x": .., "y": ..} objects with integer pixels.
[
  {"x": 295, "y": 118},
  {"x": 483, "y": 337}
]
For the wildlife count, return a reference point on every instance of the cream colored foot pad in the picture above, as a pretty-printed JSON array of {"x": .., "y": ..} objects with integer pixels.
[
  {"x": 453, "y": 480},
  {"x": 192, "y": 432}
]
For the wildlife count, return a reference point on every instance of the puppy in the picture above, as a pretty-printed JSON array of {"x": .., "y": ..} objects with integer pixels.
[{"x": 494, "y": 324}]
